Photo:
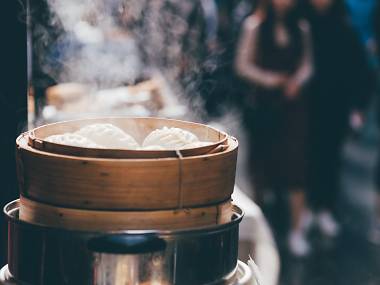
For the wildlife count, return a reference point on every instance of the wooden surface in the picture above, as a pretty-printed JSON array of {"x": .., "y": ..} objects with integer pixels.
[
  {"x": 139, "y": 128},
  {"x": 126, "y": 184},
  {"x": 92, "y": 220}
]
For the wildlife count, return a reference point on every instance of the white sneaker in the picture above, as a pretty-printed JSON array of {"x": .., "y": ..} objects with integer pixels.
[
  {"x": 298, "y": 245},
  {"x": 327, "y": 224}
]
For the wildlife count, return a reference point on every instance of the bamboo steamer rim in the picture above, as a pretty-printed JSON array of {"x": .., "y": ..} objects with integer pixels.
[
  {"x": 38, "y": 142},
  {"x": 22, "y": 142},
  {"x": 101, "y": 220}
]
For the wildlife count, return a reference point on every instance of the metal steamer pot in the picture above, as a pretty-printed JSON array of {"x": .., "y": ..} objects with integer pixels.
[
  {"x": 46, "y": 255},
  {"x": 244, "y": 276}
]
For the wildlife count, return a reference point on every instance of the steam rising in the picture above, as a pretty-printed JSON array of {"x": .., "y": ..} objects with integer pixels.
[{"x": 109, "y": 43}]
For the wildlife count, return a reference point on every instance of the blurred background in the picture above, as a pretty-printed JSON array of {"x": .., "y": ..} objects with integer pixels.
[{"x": 296, "y": 81}]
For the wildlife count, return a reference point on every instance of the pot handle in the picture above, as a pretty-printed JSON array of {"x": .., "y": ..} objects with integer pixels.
[{"x": 126, "y": 244}]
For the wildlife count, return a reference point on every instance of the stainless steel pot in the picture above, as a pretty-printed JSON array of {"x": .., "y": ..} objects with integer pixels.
[
  {"x": 129, "y": 259},
  {"x": 44, "y": 255},
  {"x": 244, "y": 276}
]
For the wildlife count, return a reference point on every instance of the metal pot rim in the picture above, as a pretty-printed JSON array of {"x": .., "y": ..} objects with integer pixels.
[{"x": 12, "y": 208}]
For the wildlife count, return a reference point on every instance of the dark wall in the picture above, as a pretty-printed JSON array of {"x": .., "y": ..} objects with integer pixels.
[{"x": 13, "y": 98}]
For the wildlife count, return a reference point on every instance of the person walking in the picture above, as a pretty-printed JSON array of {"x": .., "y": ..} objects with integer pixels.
[
  {"x": 274, "y": 57},
  {"x": 340, "y": 93},
  {"x": 374, "y": 233}
]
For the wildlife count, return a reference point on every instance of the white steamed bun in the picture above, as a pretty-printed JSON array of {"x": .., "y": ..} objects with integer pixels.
[
  {"x": 72, "y": 139},
  {"x": 109, "y": 136},
  {"x": 170, "y": 138}
]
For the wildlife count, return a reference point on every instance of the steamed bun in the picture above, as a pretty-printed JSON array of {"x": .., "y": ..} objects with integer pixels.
[
  {"x": 108, "y": 136},
  {"x": 170, "y": 138},
  {"x": 72, "y": 139}
]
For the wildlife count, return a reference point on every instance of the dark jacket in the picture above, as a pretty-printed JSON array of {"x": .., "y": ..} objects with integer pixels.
[
  {"x": 343, "y": 76},
  {"x": 377, "y": 27},
  {"x": 377, "y": 40}
]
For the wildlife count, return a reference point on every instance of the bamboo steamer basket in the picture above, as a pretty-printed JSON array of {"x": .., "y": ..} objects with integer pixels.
[
  {"x": 97, "y": 220},
  {"x": 126, "y": 184},
  {"x": 139, "y": 128}
]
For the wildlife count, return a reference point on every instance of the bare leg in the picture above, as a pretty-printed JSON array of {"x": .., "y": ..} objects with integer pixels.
[
  {"x": 297, "y": 208},
  {"x": 298, "y": 244}
]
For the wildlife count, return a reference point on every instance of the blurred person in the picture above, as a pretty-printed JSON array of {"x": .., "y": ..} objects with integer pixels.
[
  {"x": 223, "y": 25},
  {"x": 360, "y": 13},
  {"x": 274, "y": 57},
  {"x": 377, "y": 27},
  {"x": 243, "y": 9},
  {"x": 220, "y": 84},
  {"x": 340, "y": 94},
  {"x": 210, "y": 11},
  {"x": 374, "y": 234}
]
